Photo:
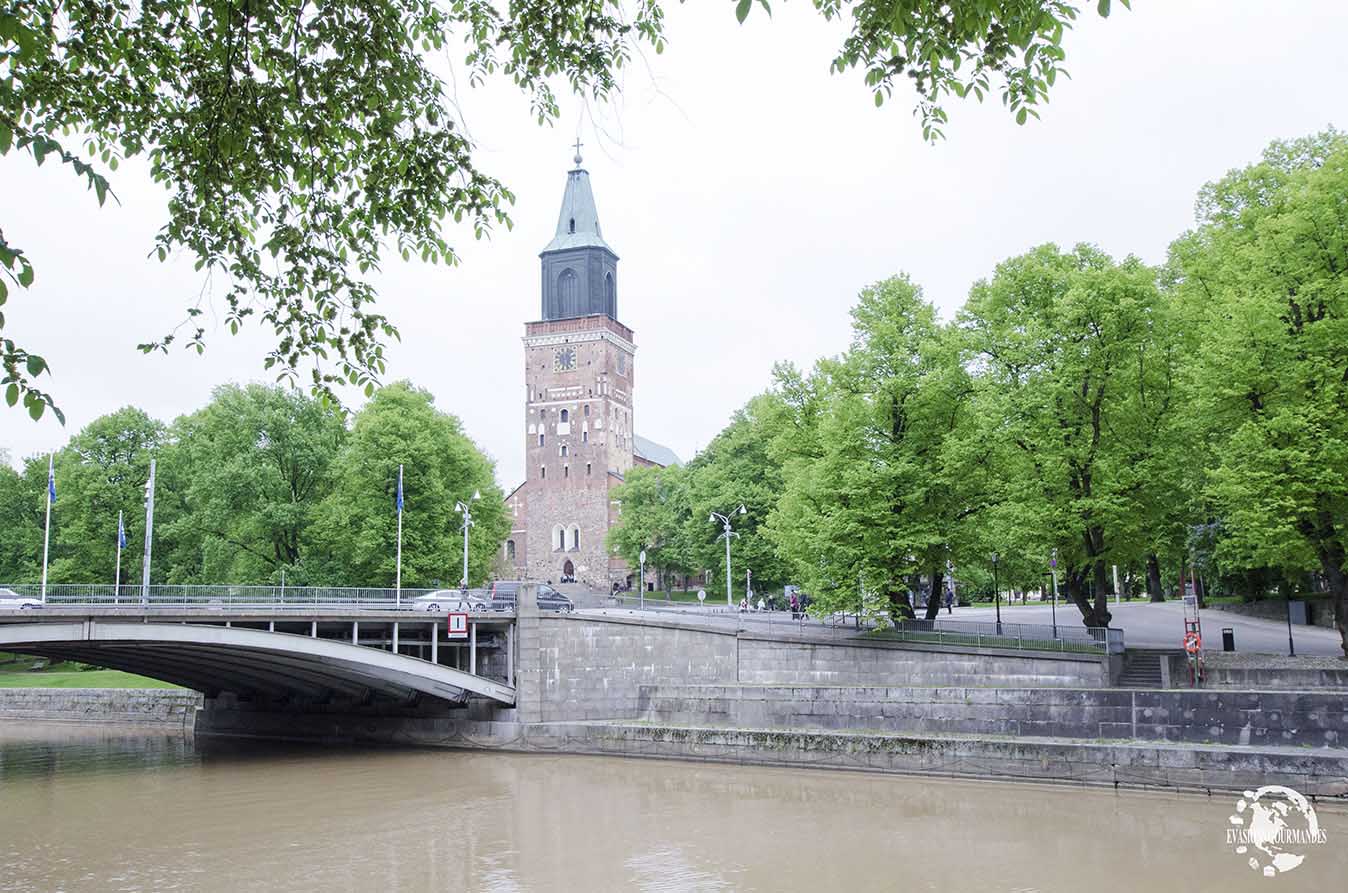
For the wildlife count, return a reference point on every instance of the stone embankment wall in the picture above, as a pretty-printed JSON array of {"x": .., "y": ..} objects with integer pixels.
[
  {"x": 130, "y": 706},
  {"x": 1264, "y": 672},
  {"x": 1282, "y": 719},
  {"x": 593, "y": 667}
]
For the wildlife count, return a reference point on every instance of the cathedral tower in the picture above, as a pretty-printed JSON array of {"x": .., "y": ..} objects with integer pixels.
[{"x": 578, "y": 377}]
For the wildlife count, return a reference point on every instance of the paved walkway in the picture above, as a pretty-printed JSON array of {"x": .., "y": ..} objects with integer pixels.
[{"x": 1161, "y": 625}]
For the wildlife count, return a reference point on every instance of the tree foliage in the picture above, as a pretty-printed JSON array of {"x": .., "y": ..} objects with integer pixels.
[
  {"x": 300, "y": 143},
  {"x": 261, "y": 481}
]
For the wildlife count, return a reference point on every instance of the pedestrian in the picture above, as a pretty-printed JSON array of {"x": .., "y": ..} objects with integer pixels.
[
  {"x": 795, "y": 607},
  {"x": 949, "y": 601}
]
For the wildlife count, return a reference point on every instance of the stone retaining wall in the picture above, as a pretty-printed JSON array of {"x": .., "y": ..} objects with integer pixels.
[
  {"x": 1320, "y": 772},
  {"x": 1285, "y": 719},
  {"x": 588, "y": 667},
  {"x": 1319, "y": 611},
  {"x": 132, "y": 706}
]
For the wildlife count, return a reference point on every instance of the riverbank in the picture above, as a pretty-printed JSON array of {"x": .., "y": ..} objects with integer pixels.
[
  {"x": 175, "y": 707},
  {"x": 33, "y": 672},
  {"x": 668, "y": 730}
]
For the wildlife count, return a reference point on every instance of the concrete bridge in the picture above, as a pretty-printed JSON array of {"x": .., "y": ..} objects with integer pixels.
[{"x": 308, "y": 655}]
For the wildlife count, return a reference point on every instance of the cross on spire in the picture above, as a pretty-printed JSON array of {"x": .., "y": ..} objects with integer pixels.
[{"x": 578, "y": 145}]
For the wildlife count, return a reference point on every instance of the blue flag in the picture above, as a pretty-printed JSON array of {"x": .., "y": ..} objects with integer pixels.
[
  {"x": 51, "y": 483},
  {"x": 400, "y": 489},
  {"x": 121, "y": 532}
]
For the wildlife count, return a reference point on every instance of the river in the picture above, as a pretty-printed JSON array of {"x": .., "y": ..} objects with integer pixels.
[{"x": 86, "y": 808}]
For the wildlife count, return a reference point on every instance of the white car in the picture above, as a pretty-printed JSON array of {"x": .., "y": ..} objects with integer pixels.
[
  {"x": 448, "y": 600},
  {"x": 12, "y": 601}
]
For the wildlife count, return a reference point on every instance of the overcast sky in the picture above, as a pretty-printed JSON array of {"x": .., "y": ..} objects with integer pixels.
[{"x": 749, "y": 194}]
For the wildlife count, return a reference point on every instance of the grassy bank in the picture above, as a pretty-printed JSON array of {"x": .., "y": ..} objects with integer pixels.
[{"x": 29, "y": 673}]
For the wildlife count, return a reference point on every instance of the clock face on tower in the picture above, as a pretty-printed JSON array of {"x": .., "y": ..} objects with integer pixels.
[{"x": 565, "y": 359}]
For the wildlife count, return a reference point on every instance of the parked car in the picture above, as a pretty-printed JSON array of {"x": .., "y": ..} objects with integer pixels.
[
  {"x": 505, "y": 592},
  {"x": 12, "y": 601},
  {"x": 449, "y": 600}
]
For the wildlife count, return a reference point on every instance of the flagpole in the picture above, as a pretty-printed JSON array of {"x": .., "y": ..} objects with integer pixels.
[
  {"x": 149, "y": 537},
  {"x": 117, "y": 580},
  {"x": 398, "y": 582},
  {"x": 46, "y": 533}
]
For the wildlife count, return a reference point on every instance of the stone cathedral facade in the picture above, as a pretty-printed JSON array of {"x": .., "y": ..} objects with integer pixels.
[{"x": 579, "y": 433}]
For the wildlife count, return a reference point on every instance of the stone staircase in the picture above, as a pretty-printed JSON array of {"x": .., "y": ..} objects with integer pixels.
[{"x": 1141, "y": 669}]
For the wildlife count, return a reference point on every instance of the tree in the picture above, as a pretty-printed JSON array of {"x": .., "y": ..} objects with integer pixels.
[
  {"x": 882, "y": 500},
  {"x": 736, "y": 469},
  {"x": 654, "y": 516},
  {"x": 296, "y": 139},
  {"x": 1061, "y": 339},
  {"x": 103, "y": 470},
  {"x": 357, "y": 521},
  {"x": 1266, "y": 272},
  {"x": 251, "y": 468},
  {"x": 21, "y": 507}
]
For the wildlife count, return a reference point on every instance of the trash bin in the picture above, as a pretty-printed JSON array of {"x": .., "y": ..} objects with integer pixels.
[{"x": 1228, "y": 639}]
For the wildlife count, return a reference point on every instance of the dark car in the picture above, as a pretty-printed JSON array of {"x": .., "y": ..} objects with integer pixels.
[{"x": 505, "y": 592}]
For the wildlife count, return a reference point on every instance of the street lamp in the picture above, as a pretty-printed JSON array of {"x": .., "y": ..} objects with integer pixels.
[
  {"x": 1053, "y": 563},
  {"x": 996, "y": 594},
  {"x": 463, "y": 508},
  {"x": 728, "y": 533}
]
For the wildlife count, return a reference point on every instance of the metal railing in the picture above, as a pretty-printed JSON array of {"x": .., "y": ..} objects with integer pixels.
[
  {"x": 217, "y": 597},
  {"x": 975, "y": 634},
  {"x": 990, "y": 634}
]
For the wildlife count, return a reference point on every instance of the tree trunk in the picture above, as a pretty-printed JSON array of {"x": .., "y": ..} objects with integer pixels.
[
  {"x": 1335, "y": 565},
  {"x": 937, "y": 593},
  {"x": 1101, "y": 595},
  {"x": 1154, "y": 578},
  {"x": 900, "y": 608}
]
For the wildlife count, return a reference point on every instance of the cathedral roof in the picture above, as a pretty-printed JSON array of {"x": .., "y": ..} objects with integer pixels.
[
  {"x": 654, "y": 452},
  {"x": 578, "y": 222}
]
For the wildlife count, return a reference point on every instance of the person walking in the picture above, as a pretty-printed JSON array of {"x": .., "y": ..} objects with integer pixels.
[
  {"x": 795, "y": 607},
  {"x": 949, "y": 601}
]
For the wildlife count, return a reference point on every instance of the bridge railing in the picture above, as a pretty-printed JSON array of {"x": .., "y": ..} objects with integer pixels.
[{"x": 221, "y": 596}]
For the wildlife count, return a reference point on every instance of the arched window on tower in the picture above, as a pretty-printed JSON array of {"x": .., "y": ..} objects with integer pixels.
[
  {"x": 558, "y": 537},
  {"x": 566, "y": 416},
  {"x": 568, "y": 293},
  {"x": 573, "y": 225},
  {"x": 575, "y": 539},
  {"x": 610, "y": 296},
  {"x": 510, "y": 550}
]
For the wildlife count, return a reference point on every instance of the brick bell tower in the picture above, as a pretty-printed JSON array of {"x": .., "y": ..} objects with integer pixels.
[{"x": 578, "y": 402}]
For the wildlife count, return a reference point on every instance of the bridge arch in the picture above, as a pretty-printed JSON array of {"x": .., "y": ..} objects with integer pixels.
[{"x": 214, "y": 659}]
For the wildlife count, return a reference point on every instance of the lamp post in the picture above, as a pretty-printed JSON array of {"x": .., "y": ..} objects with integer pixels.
[
  {"x": 996, "y": 594},
  {"x": 642, "y": 596},
  {"x": 464, "y": 508},
  {"x": 1053, "y": 564},
  {"x": 727, "y": 532}
]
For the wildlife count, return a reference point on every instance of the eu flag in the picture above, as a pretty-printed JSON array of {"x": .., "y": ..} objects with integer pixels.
[
  {"x": 400, "y": 489},
  {"x": 51, "y": 484},
  {"x": 121, "y": 532}
]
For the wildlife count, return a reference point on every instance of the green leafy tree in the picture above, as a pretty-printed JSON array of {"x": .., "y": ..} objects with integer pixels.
[
  {"x": 1060, "y": 339},
  {"x": 654, "y": 516},
  {"x": 357, "y": 522},
  {"x": 1267, "y": 273},
  {"x": 21, "y": 507},
  {"x": 880, "y": 497},
  {"x": 101, "y": 471},
  {"x": 249, "y": 471},
  {"x": 300, "y": 142},
  {"x": 737, "y": 469}
]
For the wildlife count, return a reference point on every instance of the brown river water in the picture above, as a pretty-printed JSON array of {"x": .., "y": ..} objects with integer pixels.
[{"x": 104, "y": 809}]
